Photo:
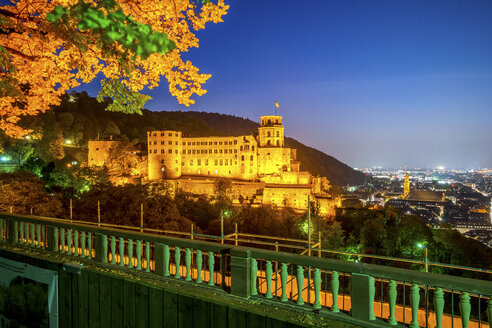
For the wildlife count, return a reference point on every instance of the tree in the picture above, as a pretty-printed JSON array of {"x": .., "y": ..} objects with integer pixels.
[{"x": 48, "y": 47}]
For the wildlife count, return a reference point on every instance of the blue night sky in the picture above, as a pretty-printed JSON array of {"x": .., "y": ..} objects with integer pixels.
[{"x": 373, "y": 83}]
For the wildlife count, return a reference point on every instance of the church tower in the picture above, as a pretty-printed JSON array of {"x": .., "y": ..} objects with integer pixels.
[
  {"x": 271, "y": 131},
  {"x": 406, "y": 186}
]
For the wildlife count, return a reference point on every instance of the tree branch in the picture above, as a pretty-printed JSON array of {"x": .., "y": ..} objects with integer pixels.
[{"x": 20, "y": 54}]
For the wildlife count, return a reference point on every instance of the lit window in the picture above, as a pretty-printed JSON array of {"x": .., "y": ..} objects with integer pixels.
[
  {"x": 235, "y": 151},
  {"x": 193, "y": 143},
  {"x": 220, "y": 143},
  {"x": 210, "y": 143},
  {"x": 235, "y": 142},
  {"x": 215, "y": 151},
  {"x": 170, "y": 142},
  {"x": 162, "y": 134},
  {"x": 162, "y": 151},
  {"x": 215, "y": 143}
]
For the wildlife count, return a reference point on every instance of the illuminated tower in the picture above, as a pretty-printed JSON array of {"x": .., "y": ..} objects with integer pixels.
[
  {"x": 271, "y": 131},
  {"x": 165, "y": 149},
  {"x": 406, "y": 185}
]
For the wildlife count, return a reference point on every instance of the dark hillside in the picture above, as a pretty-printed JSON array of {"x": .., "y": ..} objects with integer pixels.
[{"x": 82, "y": 118}]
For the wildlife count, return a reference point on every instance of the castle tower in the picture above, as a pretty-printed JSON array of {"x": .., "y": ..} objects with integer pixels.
[
  {"x": 165, "y": 149},
  {"x": 271, "y": 131},
  {"x": 406, "y": 185}
]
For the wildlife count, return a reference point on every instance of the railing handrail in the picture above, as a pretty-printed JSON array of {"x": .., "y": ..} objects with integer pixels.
[
  {"x": 174, "y": 241},
  {"x": 375, "y": 270},
  {"x": 386, "y": 272}
]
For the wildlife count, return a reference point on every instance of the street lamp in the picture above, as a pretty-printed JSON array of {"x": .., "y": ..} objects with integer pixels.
[
  {"x": 223, "y": 213},
  {"x": 423, "y": 246}
]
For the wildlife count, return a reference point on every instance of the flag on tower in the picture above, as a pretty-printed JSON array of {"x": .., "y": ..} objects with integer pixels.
[{"x": 276, "y": 104}]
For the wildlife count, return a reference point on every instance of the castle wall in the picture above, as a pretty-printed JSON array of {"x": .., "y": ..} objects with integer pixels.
[
  {"x": 99, "y": 151},
  {"x": 284, "y": 195},
  {"x": 273, "y": 160}
]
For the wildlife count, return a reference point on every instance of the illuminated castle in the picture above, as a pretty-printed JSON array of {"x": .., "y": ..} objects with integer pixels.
[
  {"x": 262, "y": 157},
  {"x": 262, "y": 169}
]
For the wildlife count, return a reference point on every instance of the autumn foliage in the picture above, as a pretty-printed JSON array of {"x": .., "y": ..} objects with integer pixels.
[{"x": 49, "y": 47}]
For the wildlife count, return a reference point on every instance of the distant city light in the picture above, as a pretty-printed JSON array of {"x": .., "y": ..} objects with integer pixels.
[
  {"x": 68, "y": 141},
  {"x": 441, "y": 168},
  {"x": 28, "y": 137},
  {"x": 75, "y": 163},
  {"x": 4, "y": 158}
]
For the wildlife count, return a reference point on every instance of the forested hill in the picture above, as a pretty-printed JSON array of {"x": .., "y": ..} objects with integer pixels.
[{"x": 80, "y": 118}]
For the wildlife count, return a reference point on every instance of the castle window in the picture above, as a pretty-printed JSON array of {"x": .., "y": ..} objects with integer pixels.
[
  {"x": 220, "y": 143},
  {"x": 268, "y": 142},
  {"x": 225, "y": 162},
  {"x": 215, "y": 151},
  {"x": 176, "y": 134},
  {"x": 163, "y": 169},
  {"x": 268, "y": 134},
  {"x": 182, "y": 163},
  {"x": 252, "y": 148},
  {"x": 176, "y": 169},
  {"x": 221, "y": 162},
  {"x": 162, "y": 142},
  {"x": 235, "y": 151},
  {"x": 150, "y": 143},
  {"x": 191, "y": 162},
  {"x": 162, "y": 161},
  {"x": 241, "y": 148},
  {"x": 215, "y": 143},
  {"x": 216, "y": 163},
  {"x": 278, "y": 134},
  {"x": 278, "y": 143},
  {"x": 246, "y": 147},
  {"x": 170, "y": 151},
  {"x": 210, "y": 151},
  {"x": 155, "y": 143},
  {"x": 194, "y": 151},
  {"x": 230, "y": 161},
  {"x": 235, "y": 142},
  {"x": 206, "y": 162},
  {"x": 251, "y": 158},
  {"x": 155, "y": 134},
  {"x": 150, "y": 151},
  {"x": 170, "y": 134},
  {"x": 162, "y": 134},
  {"x": 162, "y": 151},
  {"x": 210, "y": 143},
  {"x": 230, "y": 151},
  {"x": 155, "y": 151},
  {"x": 220, "y": 151},
  {"x": 170, "y": 143},
  {"x": 189, "y": 143},
  {"x": 242, "y": 157},
  {"x": 176, "y": 151},
  {"x": 177, "y": 143},
  {"x": 189, "y": 151},
  {"x": 193, "y": 143},
  {"x": 269, "y": 121},
  {"x": 199, "y": 162}
]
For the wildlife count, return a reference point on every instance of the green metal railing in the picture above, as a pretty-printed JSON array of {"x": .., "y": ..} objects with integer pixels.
[{"x": 363, "y": 293}]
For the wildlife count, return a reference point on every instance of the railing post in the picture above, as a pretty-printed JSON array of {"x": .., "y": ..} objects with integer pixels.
[
  {"x": 102, "y": 248},
  {"x": 161, "y": 258},
  {"x": 362, "y": 296},
  {"x": 52, "y": 238},
  {"x": 13, "y": 233},
  {"x": 241, "y": 272}
]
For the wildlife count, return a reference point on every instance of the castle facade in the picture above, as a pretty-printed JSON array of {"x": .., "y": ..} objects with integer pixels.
[{"x": 262, "y": 157}]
